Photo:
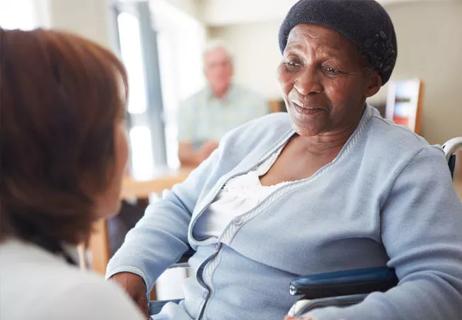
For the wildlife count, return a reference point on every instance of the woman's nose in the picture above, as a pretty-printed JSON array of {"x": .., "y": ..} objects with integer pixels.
[{"x": 308, "y": 82}]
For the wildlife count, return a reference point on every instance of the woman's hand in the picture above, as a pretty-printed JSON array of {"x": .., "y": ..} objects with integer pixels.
[{"x": 135, "y": 287}]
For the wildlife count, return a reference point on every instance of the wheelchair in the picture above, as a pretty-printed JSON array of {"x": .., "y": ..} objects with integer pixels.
[{"x": 341, "y": 288}]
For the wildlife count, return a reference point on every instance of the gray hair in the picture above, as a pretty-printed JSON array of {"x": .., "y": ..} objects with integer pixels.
[{"x": 216, "y": 44}]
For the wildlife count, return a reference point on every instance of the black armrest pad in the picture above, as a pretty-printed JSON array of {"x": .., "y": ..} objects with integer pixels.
[
  {"x": 344, "y": 282},
  {"x": 452, "y": 164}
]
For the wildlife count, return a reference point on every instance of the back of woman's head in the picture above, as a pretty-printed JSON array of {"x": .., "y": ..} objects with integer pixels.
[{"x": 61, "y": 96}]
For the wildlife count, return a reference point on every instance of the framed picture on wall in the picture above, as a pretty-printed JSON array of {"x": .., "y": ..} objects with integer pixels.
[{"x": 404, "y": 103}]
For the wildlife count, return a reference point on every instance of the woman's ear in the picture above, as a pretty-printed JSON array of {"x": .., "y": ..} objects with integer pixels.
[{"x": 374, "y": 83}]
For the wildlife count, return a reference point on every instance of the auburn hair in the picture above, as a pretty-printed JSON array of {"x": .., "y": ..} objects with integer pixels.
[{"x": 60, "y": 98}]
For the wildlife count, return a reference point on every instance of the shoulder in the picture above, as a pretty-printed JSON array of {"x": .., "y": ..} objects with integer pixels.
[
  {"x": 388, "y": 149},
  {"x": 391, "y": 140},
  {"x": 88, "y": 296},
  {"x": 264, "y": 130},
  {"x": 55, "y": 289},
  {"x": 389, "y": 130}
]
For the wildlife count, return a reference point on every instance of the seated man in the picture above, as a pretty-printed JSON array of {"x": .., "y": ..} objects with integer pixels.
[{"x": 222, "y": 105}]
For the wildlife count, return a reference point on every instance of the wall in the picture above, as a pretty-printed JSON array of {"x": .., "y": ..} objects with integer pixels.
[
  {"x": 223, "y": 12},
  {"x": 189, "y": 7},
  {"x": 24, "y": 14},
  {"x": 430, "y": 48},
  {"x": 93, "y": 18},
  {"x": 89, "y": 18},
  {"x": 256, "y": 54}
]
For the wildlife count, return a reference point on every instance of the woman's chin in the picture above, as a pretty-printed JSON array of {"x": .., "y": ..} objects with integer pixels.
[
  {"x": 307, "y": 123},
  {"x": 306, "y": 129}
]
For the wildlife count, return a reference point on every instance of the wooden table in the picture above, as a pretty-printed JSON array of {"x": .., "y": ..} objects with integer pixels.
[
  {"x": 142, "y": 189},
  {"x": 98, "y": 245}
]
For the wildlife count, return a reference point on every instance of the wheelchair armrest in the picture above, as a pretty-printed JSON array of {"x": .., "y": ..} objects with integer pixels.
[
  {"x": 341, "y": 283},
  {"x": 304, "y": 306}
]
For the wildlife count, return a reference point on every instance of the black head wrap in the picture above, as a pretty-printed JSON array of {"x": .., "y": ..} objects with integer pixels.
[{"x": 364, "y": 22}]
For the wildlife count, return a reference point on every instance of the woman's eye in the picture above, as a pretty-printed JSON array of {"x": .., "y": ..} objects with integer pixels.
[
  {"x": 292, "y": 65},
  {"x": 331, "y": 70}
]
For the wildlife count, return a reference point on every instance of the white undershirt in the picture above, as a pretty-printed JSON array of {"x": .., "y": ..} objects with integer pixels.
[{"x": 238, "y": 196}]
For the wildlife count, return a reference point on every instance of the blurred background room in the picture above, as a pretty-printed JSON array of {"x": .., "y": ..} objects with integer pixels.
[{"x": 161, "y": 43}]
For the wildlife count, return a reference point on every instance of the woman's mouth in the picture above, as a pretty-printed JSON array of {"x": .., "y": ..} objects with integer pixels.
[{"x": 306, "y": 110}]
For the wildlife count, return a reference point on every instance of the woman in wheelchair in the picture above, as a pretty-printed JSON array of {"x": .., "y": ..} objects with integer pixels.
[
  {"x": 328, "y": 186},
  {"x": 63, "y": 153}
]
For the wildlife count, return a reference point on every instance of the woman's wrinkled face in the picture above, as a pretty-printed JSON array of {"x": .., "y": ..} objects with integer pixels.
[{"x": 325, "y": 81}]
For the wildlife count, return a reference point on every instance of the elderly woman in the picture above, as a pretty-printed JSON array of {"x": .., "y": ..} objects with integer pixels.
[
  {"x": 329, "y": 186},
  {"x": 63, "y": 153}
]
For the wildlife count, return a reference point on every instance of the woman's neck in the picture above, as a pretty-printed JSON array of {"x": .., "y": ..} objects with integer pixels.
[{"x": 325, "y": 143}]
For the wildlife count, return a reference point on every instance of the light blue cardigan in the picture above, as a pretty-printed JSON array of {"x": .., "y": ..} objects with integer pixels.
[{"x": 386, "y": 199}]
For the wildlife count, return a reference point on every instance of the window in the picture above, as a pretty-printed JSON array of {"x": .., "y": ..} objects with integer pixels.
[
  {"x": 23, "y": 14},
  {"x": 181, "y": 39},
  {"x": 161, "y": 47},
  {"x": 130, "y": 47},
  {"x": 138, "y": 47}
]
